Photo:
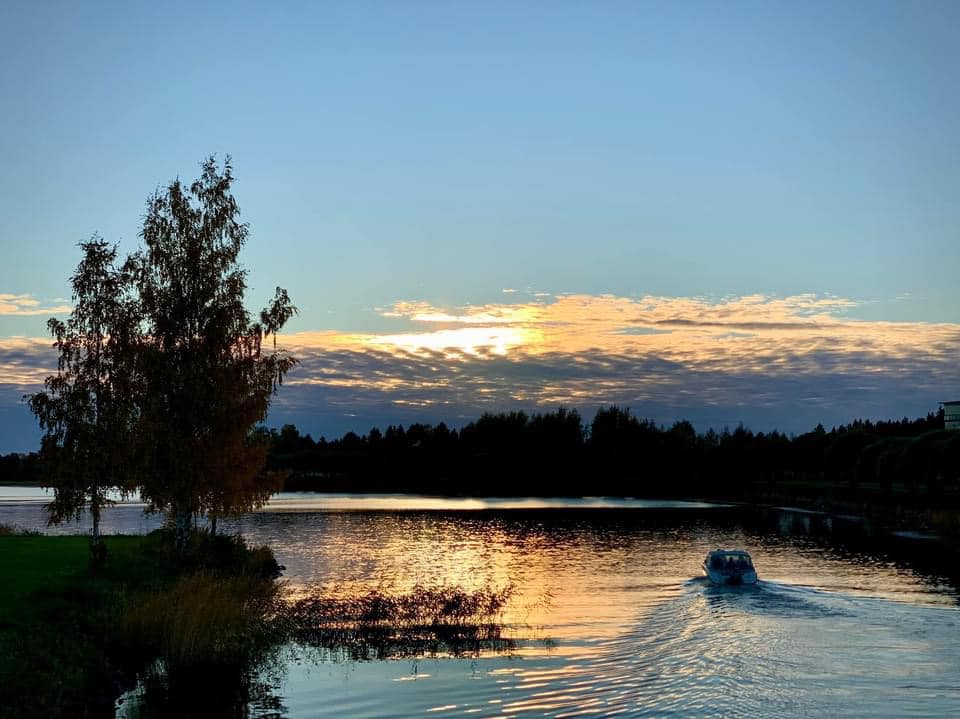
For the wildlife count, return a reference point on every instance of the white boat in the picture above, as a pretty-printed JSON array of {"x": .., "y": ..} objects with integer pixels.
[{"x": 729, "y": 566}]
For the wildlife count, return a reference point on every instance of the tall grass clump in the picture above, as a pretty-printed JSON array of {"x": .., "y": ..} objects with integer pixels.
[{"x": 203, "y": 620}]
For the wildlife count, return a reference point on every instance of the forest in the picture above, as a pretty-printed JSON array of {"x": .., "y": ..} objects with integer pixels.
[
  {"x": 620, "y": 454},
  {"x": 616, "y": 454}
]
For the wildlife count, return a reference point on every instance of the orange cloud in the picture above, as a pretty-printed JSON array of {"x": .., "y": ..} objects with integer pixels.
[
  {"x": 797, "y": 358},
  {"x": 28, "y": 306},
  {"x": 735, "y": 333},
  {"x": 25, "y": 362}
]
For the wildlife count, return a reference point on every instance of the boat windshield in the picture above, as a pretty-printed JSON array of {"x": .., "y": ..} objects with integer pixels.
[{"x": 731, "y": 562}]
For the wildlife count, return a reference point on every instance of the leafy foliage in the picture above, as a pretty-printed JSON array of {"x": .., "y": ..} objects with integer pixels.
[
  {"x": 162, "y": 370},
  {"x": 207, "y": 377},
  {"x": 87, "y": 410}
]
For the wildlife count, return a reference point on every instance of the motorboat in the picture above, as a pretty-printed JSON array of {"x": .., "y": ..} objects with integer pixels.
[{"x": 729, "y": 566}]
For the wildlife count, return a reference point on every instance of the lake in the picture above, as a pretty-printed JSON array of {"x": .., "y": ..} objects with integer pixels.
[{"x": 610, "y": 614}]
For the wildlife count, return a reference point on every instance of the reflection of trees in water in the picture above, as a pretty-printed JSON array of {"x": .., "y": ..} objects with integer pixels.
[{"x": 241, "y": 690}]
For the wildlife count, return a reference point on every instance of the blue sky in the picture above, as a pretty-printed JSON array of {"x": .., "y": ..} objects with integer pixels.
[{"x": 441, "y": 153}]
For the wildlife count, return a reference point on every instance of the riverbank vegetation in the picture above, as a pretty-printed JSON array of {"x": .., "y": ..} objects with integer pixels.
[
  {"x": 194, "y": 630},
  {"x": 75, "y": 634},
  {"x": 162, "y": 373}
]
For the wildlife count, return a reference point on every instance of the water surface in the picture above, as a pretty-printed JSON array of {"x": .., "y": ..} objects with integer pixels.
[{"x": 611, "y": 616}]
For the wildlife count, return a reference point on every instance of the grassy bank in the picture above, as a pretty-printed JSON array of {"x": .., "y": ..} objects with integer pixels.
[
  {"x": 53, "y": 645},
  {"x": 73, "y": 638},
  {"x": 36, "y": 566},
  {"x": 192, "y": 631}
]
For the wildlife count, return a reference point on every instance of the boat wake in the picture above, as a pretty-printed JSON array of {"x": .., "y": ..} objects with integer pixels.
[{"x": 768, "y": 649}]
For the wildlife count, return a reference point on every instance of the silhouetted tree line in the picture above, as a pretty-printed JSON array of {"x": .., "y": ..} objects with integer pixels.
[
  {"x": 619, "y": 454},
  {"x": 18, "y": 468}
]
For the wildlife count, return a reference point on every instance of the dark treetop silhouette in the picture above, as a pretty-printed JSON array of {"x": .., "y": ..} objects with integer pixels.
[{"x": 555, "y": 453}]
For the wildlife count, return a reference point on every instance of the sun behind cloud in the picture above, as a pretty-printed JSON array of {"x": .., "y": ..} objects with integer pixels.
[
  {"x": 800, "y": 357},
  {"x": 737, "y": 331}
]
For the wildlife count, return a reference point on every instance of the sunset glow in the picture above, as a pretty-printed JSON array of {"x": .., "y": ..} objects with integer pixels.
[
  {"x": 707, "y": 359},
  {"x": 475, "y": 210}
]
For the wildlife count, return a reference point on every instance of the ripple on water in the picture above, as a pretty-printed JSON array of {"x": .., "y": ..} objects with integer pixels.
[
  {"x": 828, "y": 632},
  {"x": 633, "y": 637},
  {"x": 769, "y": 650}
]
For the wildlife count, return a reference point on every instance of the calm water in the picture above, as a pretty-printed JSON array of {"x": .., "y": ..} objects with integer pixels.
[{"x": 611, "y": 616}]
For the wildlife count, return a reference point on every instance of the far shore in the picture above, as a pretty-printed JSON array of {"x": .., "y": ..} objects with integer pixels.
[{"x": 905, "y": 521}]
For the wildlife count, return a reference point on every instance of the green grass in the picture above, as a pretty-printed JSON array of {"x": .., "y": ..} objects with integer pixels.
[
  {"x": 71, "y": 635},
  {"x": 46, "y": 565},
  {"x": 72, "y": 639},
  {"x": 53, "y": 618}
]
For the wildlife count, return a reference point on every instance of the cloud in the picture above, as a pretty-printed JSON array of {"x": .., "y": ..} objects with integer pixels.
[
  {"x": 28, "y": 306},
  {"x": 769, "y": 362},
  {"x": 25, "y": 363},
  {"x": 783, "y": 361},
  {"x": 694, "y": 331}
]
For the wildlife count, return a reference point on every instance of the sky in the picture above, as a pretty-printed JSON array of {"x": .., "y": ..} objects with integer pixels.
[{"x": 727, "y": 212}]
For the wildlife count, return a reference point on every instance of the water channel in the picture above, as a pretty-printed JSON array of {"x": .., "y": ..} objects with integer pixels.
[{"x": 610, "y": 615}]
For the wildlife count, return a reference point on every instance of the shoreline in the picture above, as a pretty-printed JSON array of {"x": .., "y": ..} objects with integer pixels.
[{"x": 882, "y": 521}]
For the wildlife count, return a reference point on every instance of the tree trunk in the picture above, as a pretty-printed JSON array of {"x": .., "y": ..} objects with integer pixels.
[
  {"x": 98, "y": 550},
  {"x": 181, "y": 530},
  {"x": 213, "y": 524}
]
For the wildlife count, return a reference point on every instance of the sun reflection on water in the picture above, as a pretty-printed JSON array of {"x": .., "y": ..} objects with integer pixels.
[{"x": 611, "y": 616}]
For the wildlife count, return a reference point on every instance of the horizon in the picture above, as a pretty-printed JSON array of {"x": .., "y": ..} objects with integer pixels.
[
  {"x": 744, "y": 214},
  {"x": 585, "y": 423}
]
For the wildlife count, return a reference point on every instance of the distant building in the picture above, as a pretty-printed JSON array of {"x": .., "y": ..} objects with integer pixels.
[{"x": 951, "y": 414}]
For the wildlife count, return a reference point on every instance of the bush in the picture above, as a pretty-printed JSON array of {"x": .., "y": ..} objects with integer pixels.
[
  {"x": 11, "y": 530},
  {"x": 221, "y": 554}
]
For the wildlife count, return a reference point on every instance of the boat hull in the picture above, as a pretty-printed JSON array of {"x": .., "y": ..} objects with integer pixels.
[{"x": 731, "y": 578}]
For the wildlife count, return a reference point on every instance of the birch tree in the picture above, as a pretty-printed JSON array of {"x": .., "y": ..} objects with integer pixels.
[
  {"x": 88, "y": 410},
  {"x": 208, "y": 373}
]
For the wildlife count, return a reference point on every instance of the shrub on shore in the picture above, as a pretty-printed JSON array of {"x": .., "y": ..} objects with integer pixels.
[
  {"x": 202, "y": 619},
  {"x": 12, "y": 530},
  {"x": 223, "y": 554},
  {"x": 204, "y": 623}
]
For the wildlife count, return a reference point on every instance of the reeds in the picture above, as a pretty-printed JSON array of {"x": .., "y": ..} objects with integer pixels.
[
  {"x": 423, "y": 621},
  {"x": 203, "y": 619}
]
